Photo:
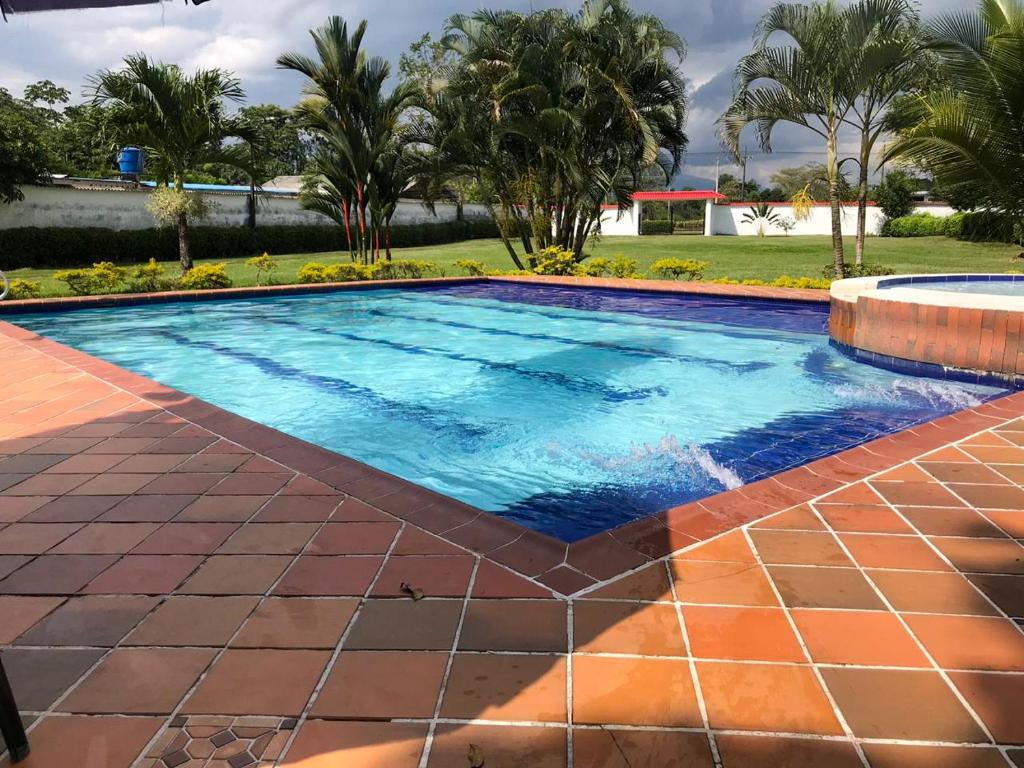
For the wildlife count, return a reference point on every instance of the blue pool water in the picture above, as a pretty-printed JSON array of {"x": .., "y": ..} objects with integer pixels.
[
  {"x": 568, "y": 410},
  {"x": 991, "y": 285}
]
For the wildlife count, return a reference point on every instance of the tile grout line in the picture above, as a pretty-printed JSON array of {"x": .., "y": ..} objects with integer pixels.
[
  {"x": 906, "y": 627},
  {"x": 570, "y": 633},
  {"x": 339, "y": 646},
  {"x": 836, "y": 711},
  {"x": 234, "y": 635},
  {"x": 937, "y": 551},
  {"x": 442, "y": 691},
  {"x": 698, "y": 690}
]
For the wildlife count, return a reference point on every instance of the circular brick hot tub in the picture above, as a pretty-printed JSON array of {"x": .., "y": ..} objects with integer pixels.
[{"x": 966, "y": 327}]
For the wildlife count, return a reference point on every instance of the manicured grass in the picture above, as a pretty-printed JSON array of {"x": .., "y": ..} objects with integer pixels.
[{"x": 736, "y": 257}]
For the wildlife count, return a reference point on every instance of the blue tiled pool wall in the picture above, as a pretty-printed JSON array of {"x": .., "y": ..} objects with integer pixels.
[
  {"x": 928, "y": 370},
  {"x": 893, "y": 282},
  {"x": 777, "y": 314}
]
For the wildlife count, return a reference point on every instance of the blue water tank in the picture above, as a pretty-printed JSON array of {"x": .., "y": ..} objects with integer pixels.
[{"x": 130, "y": 161}]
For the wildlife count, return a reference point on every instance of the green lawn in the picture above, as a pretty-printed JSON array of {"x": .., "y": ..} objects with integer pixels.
[{"x": 735, "y": 257}]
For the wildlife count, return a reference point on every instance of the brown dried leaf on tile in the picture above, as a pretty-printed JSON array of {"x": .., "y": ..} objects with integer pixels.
[
  {"x": 414, "y": 592},
  {"x": 475, "y": 756}
]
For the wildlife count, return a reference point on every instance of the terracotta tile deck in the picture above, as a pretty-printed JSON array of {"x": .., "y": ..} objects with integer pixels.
[{"x": 179, "y": 587}]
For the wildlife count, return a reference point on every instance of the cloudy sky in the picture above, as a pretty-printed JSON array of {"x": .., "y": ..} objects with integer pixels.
[{"x": 247, "y": 35}]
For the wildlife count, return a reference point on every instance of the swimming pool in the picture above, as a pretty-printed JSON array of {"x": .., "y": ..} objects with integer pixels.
[
  {"x": 991, "y": 285},
  {"x": 568, "y": 410}
]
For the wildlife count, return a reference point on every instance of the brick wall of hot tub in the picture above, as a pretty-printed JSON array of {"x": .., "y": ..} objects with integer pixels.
[{"x": 988, "y": 340}]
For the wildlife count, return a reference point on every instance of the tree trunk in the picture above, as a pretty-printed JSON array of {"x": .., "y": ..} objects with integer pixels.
[
  {"x": 838, "y": 256},
  {"x": 184, "y": 252},
  {"x": 347, "y": 203},
  {"x": 388, "y": 240},
  {"x": 361, "y": 212},
  {"x": 504, "y": 237},
  {"x": 862, "y": 204}
]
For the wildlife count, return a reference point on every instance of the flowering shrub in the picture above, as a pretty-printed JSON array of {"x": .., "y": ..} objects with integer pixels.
[
  {"x": 314, "y": 272},
  {"x": 675, "y": 269},
  {"x": 552, "y": 261},
  {"x": 264, "y": 265},
  {"x": 623, "y": 267},
  {"x": 103, "y": 278},
  {"x": 205, "y": 277},
  {"x": 25, "y": 289},
  {"x": 471, "y": 267},
  {"x": 785, "y": 281},
  {"x": 149, "y": 278},
  {"x": 595, "y": 267},
  {"x": 408, "y": 269},
  {"x": 79, "y": 281}
]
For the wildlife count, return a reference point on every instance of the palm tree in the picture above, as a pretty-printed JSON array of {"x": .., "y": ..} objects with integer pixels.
[
  {"x": 555, "y": 114},
  {"x": 887, "y": 59},
  {"x": 356, "y": 122},
  {"x": 805, "y": 82},
  {"x": 178, "y": 119},
  {"x": 390, "y": 178},
  {"x": 760, "y": 214},
  {"x": 968, "y": 130}
]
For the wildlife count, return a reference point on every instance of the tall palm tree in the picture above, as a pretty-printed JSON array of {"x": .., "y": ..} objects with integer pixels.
[
  {"x": 555, "y": 114},
  {"x": 177, "y": 118},
  {"x": 806, "y": 81},
  {"x": 887, "y": 59},
  {"x": 968, "y": 130},
  {"x": 357, "y": 122}
]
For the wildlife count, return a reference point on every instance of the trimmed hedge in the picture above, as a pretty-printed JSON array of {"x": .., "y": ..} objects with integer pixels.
[
  {"x": 922, "y": 225},
  {"x": 978, "y": 226},
  {"x": 986, "y": 226},
  {"x": 55, "y": 248}
]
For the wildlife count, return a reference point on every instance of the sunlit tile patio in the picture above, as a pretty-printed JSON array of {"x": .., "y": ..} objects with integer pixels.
[{"x": 170, "y": 597}]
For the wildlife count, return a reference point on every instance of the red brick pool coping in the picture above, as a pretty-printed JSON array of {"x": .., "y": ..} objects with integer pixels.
[{"x": 565, "y": 568}]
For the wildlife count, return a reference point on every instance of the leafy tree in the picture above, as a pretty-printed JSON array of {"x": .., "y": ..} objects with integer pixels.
[
  {"x": 424, "y": 62},
  {"x": 282, "y": 146},
  {"x": 83, "y": 144},
  {"x": 968, "y": 128},
  {"x": 179, "y": 119},
  {"x": 812, "y": 176},
  {"x": 895, "y": 195},
  {"x": 803, "y": 80},
  {"x": 552, "y": 114},
  {"x": 47, "y": 92},
  {"x": 24, "y": 155}
]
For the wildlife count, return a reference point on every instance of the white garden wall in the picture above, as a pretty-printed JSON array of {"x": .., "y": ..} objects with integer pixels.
[
  {"x": 727, "y": 219},
  {"x": 616, "y": 224},
  {"x": 63, "y": 206}
]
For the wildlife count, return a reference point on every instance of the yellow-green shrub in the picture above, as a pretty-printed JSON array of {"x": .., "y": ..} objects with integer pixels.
[
  {"x": 552, "y": 261},
  {"x": 348, "y": 271},
  {"x": 471, "y": 267},
  {"x": 24, "y": 289},
  {"x": 79, "y": 281},
  {"x": 403, "y": 269},
  {"x": 675, "y": 269},
  {"x": 205, "y": 277},
  {"x": 785, "y": 281},
  {"x": 148, "y": 278},
  {"x": 594, "y": 267},
  {"x": 314, "y": 272},
  {"x": 103, "y": 277},
  {"x": 623, "y": 267},
  {"x": 264, "y": 265}
]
